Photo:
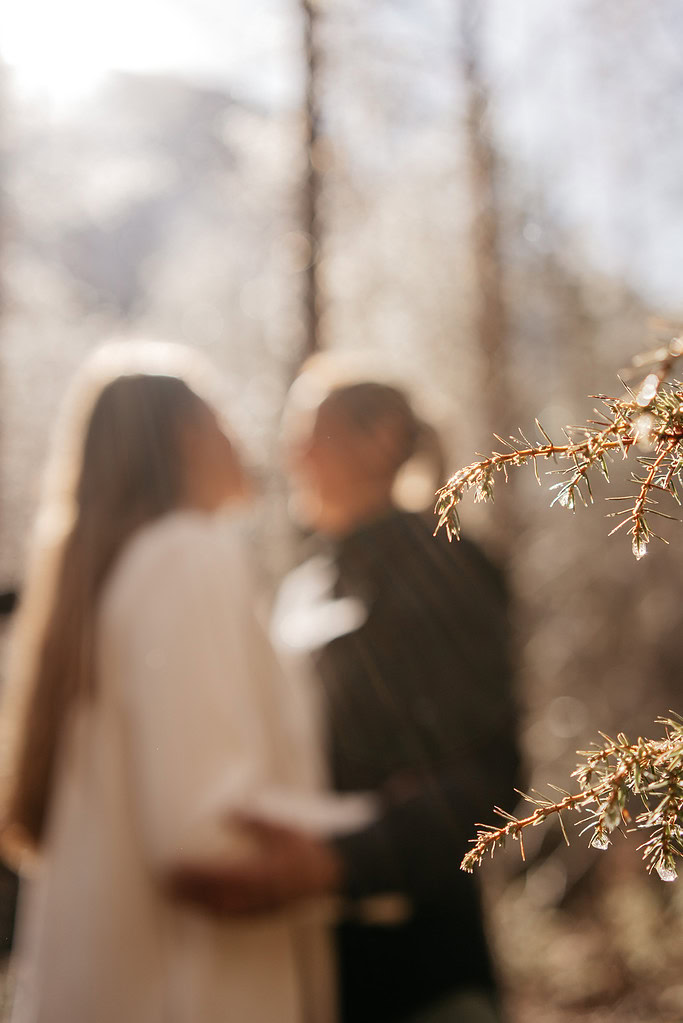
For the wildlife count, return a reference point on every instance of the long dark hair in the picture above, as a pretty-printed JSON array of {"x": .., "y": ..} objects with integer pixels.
[{"x": 118, "y": 465}]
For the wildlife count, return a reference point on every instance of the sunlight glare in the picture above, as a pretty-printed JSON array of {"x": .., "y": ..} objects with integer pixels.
[{"x": 61, "y": 52}]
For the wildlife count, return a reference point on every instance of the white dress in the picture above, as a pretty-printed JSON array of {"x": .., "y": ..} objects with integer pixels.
[{"x": 193, "y": 718}]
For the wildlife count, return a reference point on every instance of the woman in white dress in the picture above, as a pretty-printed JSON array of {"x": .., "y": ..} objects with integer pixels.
[{"x": 151, "y": 713}]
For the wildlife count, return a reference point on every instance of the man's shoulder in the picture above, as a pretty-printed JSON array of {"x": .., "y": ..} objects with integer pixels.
[{"x": 463, "y": 556}]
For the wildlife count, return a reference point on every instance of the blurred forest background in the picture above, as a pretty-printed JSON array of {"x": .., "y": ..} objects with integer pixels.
[{"x": 487, "y": 198}]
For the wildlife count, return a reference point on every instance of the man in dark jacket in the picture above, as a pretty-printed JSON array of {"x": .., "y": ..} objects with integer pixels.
[{"x": 420, "y": 711}]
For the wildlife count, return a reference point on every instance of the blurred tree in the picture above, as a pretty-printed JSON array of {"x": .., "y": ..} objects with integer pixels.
[
  {"x": 312, "y": 177},
  {"x": 490, "y": 321}
]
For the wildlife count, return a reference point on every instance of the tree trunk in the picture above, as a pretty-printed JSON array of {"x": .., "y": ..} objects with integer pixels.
[
  {"x": 489, "y": 319},
  {"x": 312, "y": 180}
]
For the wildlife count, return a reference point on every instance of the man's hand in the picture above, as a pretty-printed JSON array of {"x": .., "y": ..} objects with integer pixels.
[{"x": 287, "y": 865}]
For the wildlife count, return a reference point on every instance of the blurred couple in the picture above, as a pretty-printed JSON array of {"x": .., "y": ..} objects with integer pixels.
[{"x": 208, "y": 829}]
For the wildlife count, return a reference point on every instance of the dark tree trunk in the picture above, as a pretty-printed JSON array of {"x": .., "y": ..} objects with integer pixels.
[
  {"x": 312, "y": 179},
  {"x": 489, "y": 320}
]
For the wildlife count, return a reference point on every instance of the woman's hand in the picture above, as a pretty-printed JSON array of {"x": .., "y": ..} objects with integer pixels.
[{"x": 287, "y": 865}]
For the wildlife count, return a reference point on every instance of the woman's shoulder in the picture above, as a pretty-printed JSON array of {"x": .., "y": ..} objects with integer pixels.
[
  {"x": 174, "y": 534},
  {"x": 176, "y": 551}
]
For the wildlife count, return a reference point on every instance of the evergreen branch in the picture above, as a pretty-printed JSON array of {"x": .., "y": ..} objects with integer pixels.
[
  {"x": 639, "y": 531},
  {"x": 650, "y": 419},
  {"x": 611, "y": 775},
  {"x": 651, "y": 770}
]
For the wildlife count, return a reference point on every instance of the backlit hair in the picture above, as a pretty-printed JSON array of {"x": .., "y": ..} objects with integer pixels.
[{"x": 117, "y": 464}]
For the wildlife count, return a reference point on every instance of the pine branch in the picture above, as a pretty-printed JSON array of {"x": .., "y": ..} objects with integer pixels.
[
  {"x": 650, "y": 770},
  {"x": 650, "y": 420}
]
